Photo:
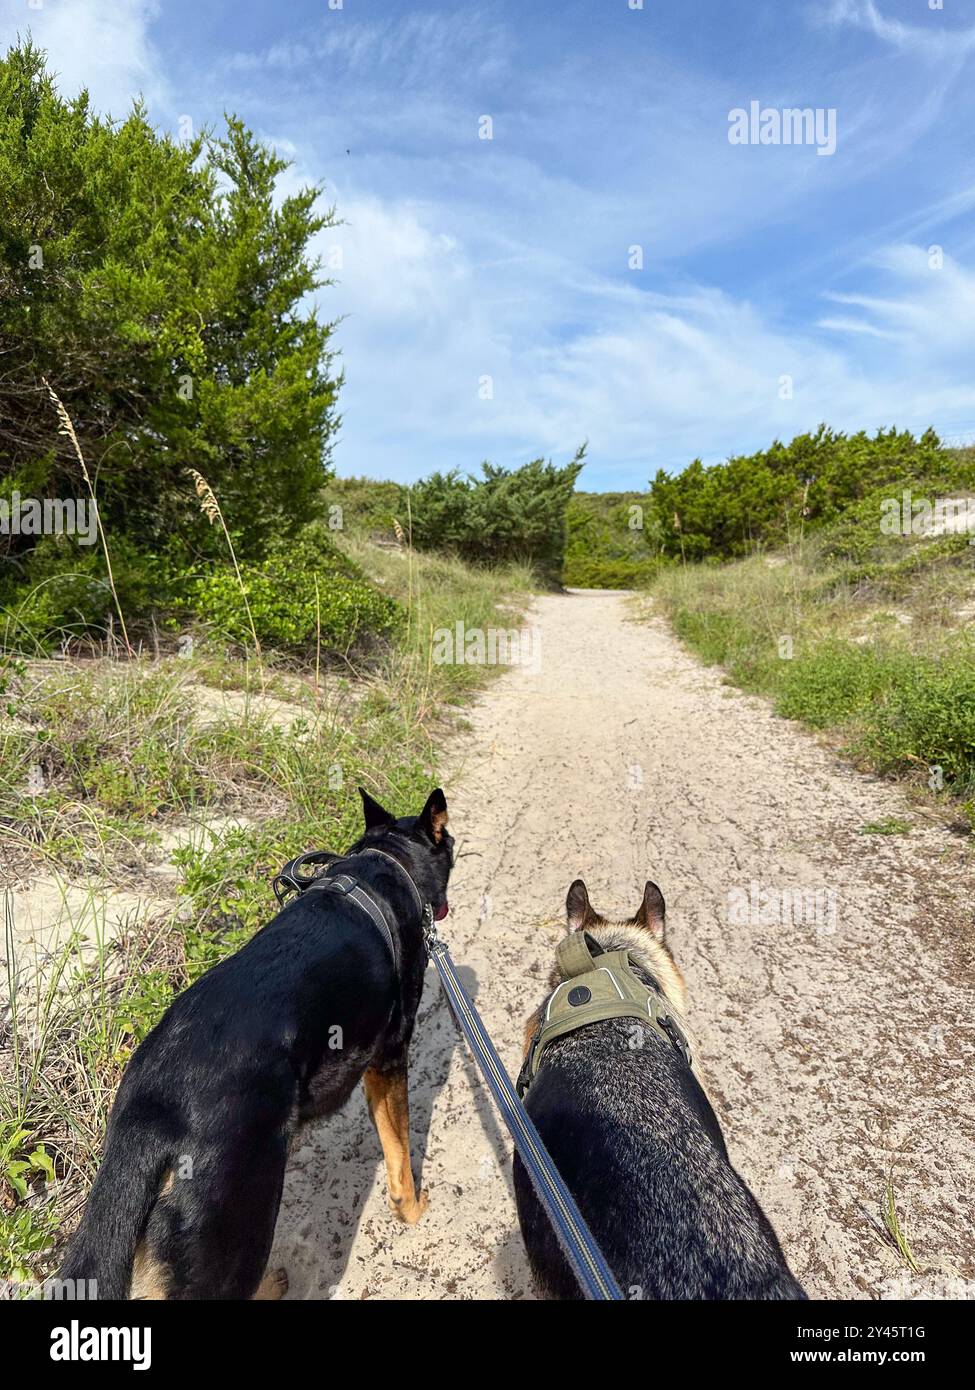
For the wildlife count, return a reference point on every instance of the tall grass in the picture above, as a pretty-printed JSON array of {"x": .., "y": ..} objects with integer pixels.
[
  {"x": 98, "y": 762},
  {"x": 68, "y": 429},
  {"x": 210, "y": 508},
  {"x": 438, "y": 591},
  {"x": 877, "y": 652}
]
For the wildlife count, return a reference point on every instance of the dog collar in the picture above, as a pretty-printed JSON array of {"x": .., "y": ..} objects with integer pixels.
[
  {"x": 595, "y": 989},
  {"x": 426, "y": 907}
]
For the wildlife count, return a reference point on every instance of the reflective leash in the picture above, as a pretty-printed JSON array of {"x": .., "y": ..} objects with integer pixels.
[{"x": 588, "y": 1263}]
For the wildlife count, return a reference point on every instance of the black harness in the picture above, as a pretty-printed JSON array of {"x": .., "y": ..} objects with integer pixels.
[{"x": 292, "y": 879}]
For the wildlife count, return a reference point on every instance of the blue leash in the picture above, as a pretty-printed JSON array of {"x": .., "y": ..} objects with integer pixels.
[{"x": 591, "y": 1270}]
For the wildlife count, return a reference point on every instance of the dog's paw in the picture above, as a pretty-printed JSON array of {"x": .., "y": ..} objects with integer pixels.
[
  {"x": 410, "y": 1212},
  {"x": 273, "y": 1286}
]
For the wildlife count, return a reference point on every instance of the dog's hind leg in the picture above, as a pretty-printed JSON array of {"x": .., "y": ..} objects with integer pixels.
[
  {"x": 212, "y": 1232},
  {"x": 389, "y": 1106},
  {"x": 150, "y": 1278}
]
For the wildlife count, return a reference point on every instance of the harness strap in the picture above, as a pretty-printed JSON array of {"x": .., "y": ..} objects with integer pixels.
[
  {"x": 292, "y": 880},
  {"x": 594, "y": 1275},
  {"x": 573, "y": 955},
  {"x": 597, "y": 988},
  {"x": 371, "y": 849},
  {"x": 347, "y": 888}
]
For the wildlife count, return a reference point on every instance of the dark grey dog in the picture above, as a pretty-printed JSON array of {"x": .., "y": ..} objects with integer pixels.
[{"x": 636, "y": 1140}]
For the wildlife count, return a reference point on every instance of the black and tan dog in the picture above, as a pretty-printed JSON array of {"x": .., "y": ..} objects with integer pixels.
[
  {"x": 185, "y": 1201},
  {"x": 631, "y": 1130}
]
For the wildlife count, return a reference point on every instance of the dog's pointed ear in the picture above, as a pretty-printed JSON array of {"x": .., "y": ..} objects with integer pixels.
[
  {"x": 578, "y": 909},
  {"x": 373, "y": 812},
  {"x": 651, "y": 912},
  {"x": 433, "y": 817}
]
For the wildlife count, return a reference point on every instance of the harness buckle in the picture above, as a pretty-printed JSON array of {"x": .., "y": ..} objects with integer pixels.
[{"x": 676, "y": 1036}]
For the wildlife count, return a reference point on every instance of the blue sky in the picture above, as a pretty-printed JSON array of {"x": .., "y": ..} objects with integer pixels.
[{"x": 509, "y": 259}]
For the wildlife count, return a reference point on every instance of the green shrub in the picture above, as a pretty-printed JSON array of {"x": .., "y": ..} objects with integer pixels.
[
  {"x": 598, "y": 572},
  {"x": 508, "y": 515},
  {"x": 763, "y": 499},
  {"x": 927, "y": 714},
  {"x": 612, "y": 541},
  {"x": 368, "y": 507},
  {"x": 171, "y": 308},
  {"x": 305, "y": 587}
]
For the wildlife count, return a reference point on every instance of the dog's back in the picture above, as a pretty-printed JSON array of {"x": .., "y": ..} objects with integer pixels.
[
  {"x": 635, "y": 1138},
  {"x": 640, "y": 1148}
]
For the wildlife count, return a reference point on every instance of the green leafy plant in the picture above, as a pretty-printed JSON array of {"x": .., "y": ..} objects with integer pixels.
[
  {"x": 304, "y": 592},
  {"x": 163, "y": 287},
  {"x": 17, "y": 1166}
]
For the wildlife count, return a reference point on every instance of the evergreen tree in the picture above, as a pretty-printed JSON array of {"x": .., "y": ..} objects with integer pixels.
[{"x": 161, "y": 287}]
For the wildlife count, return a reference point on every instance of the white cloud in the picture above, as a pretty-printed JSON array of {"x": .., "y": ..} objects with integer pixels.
[
  {"x": 99, "y": 44},
  {"x": 650, "y": 379},
  {"x": 463, "y": 260},
  {"x": 934, "y": 40},
  {"x": 421, "y": 48},
  {"x": 933, "y": 316},
  {"x": 838, "y": 324}
]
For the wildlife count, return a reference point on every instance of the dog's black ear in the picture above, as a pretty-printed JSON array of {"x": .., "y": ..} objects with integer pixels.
[
  {"x": 373, "y": 812},
  {"x": 433, "y": 817},
  {"x": 578, "y": 909},
  {"x": 651, "y": 911}
]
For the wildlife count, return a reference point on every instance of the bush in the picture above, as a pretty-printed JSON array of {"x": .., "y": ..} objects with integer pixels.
[
  {"x": 507, "y": 516},
  {"x": 604, "y": 549},
  {"x": 928, "y": 715},
  {"x": 163, "y": 288},
  {"x": 601, "y": 572},
  {"x": 367, "y": 506},
  {"x": 732, "y": 508},
  {"x": 302, "y": 589}
]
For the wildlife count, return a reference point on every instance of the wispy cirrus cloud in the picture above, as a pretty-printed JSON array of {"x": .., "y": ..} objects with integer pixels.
[
  {"x": 417, "y": 47},
  {"x": 936, "y": 40}
]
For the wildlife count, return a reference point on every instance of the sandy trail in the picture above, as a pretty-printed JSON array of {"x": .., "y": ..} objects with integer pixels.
[{"x": 836, "y": 1038}]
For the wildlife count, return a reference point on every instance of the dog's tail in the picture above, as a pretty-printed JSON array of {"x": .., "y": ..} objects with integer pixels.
[{"x": 124, "y": 1192}]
